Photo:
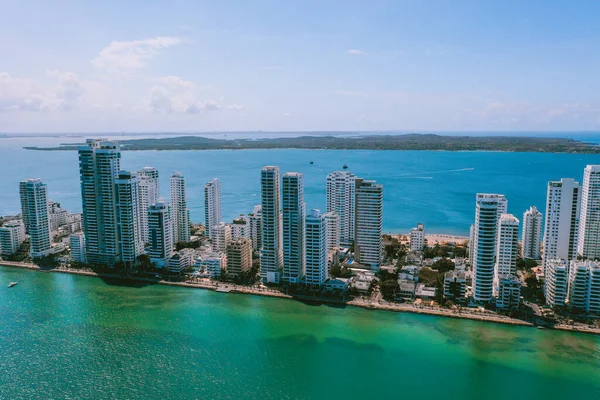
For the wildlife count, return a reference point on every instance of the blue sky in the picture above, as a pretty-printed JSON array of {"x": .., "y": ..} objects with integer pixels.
[{"x": 134, "y": 66}]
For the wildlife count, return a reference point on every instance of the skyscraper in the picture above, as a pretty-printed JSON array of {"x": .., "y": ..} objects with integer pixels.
[
  {"x": 160, "y": 233},
  {"x": 181, "y": 214},
  {"x": 368, "y": 249},
  {"x": 212, "y": 206},
  {"x": 293, "y": 227},
  {"x": 271, "y": 257},
  {"x": 507, "y": 249},
  {"x": 256, "y": 227},
  {"x": 588, "y": 242},
  {"x": 333, "y": 231},
  {"x": 341, "y": 200},
  {"x": 316, "y": 249},
  {"x": 128, "y": 217},
  {"x": 562, "y": 220},
  {"x": 532, "y": 233},
  {"x": 487, "y": 214},
  {"x": 99, "y": 164},
  {"x": 34, "y": 209},
  {"x": 149, "y": 194}
]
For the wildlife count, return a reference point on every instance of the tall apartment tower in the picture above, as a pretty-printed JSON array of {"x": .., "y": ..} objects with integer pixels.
[
  {"x": 222, "y": 236},
  {"x": 255, "y": 218},
  {"x": 341, "y": 200},
  {"x": 417, "y": 238},
  {"x": 488, "y": 209},
  {"x": 149, "y": 194},
  {"x": 99, "y": 165},
  {"x": 34, "y": 210},
  {"x": 557, "y": 282},
  {"x": 181, "y": 214},
  {"x": 160, "y": 233},
  {"x": 77, "y": 244},
  {"x": 128, "y": 217},
  {"x": 532, "y": 233},
  {"x": 294, "y": 214},
  {"x": 588, "y": 242},
  {"x": 507, "y": 249},
  {"x": 562, "y": 220},
  {"x": 584, "y": 286},
  {"x": 333, "y": 231},
  {"x": 212, "y": 206},
  {"x": 271, "y": 256},
  {"x": 316, "y": 249},
  {"x": 368, "y": 249},
  {"x": 239, "y": 257}
]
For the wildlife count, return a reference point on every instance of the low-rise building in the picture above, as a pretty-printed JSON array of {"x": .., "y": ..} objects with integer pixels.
[
  {"x": 509, "y": 292},
  {"x": 425, "y": 292},
  {"x": 337, "y": 284},
  {"x": 455, "y": 285},
  {"x": 406, "y": 288},
  {"x": 181, "y": 260},
  {"x": 12, "y": 236},
  {"x": 212, "y": 264}
]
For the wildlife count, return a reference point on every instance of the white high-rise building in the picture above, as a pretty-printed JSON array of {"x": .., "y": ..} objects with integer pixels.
[
  {"x": 489, "y": 207},
  {"x": 294, "y": 214},
  {"x": 341, "y": 200},
  {"x": 556, "y": 282},
  {"x": 77, "y": 244},
  {"x": 149, "y": 194},
  {"x": 12, "y": 236},
  {"x": 57, "y": 216},
  {"x": 212, "y": 206},
  {"x": 222, "y": 236},
  {"x": 333, "y": 231},
  {"x": 240, "y": 227},
  {"x": 128, "y": 217},
  {"x": 160, "y": 233},
  {"x": 532, "y": 233},
  {"x": 180, "y": 212},
  {"x": 316, "y": 249},
  {"x": 99, "y": 164},
  {"x": 368, "y": 245},
  {"x": 471, "y": 244},
  {"x": 271, "y": 255},
  {"x": 588, "y": 242},
  {"x": 417, "y": 238},
  {"x": 34, "y": 203},
  {"x": 562, "y": 220},
  {"x": 255, "y": 218},
  {"x": 584, "y": 286},
  {"x": 507, "y": 248}
]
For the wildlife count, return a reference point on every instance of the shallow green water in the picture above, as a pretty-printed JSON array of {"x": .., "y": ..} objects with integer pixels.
[{"x": 64, "y": 336}]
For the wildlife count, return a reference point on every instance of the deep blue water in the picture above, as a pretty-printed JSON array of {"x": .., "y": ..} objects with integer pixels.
[{"x": 436, "y": 188}]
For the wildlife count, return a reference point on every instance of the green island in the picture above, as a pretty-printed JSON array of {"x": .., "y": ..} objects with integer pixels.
[{"x": 366, "y": 142}]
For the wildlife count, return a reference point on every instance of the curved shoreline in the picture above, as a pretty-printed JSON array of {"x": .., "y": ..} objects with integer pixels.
[{"x": 370, "y": 305}]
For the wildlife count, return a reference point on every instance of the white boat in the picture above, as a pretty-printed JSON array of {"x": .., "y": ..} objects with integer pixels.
[{"x": 12, "y": 284}]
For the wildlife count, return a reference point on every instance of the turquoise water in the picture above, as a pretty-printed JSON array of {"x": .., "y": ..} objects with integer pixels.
[
  {"x": 65, "y": 336},
  {"x": 437, "y": 188}
]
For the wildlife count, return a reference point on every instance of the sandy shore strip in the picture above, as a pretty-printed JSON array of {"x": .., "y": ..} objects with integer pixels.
[
  {"x": 470, "y": 314},
  {"x": 433, "y": 238}
]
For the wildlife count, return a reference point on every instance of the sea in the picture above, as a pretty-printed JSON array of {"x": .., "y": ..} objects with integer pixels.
[{"x": 436, "y": 188}]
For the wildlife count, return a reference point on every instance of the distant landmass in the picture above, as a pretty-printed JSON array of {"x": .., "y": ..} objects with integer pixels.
[{"x": 366, "y": 142}]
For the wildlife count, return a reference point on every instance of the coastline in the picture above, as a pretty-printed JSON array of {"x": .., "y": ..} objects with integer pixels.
[{"x": 357, "y": 302}]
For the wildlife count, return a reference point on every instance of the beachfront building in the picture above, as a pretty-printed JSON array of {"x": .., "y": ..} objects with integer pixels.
[
  {"x": 417, "y": 238},
  {"x": 222, "y": 236},
  {"x": 99, "y": 164},
  {"x": 507, "y": 248},
  {"x": 588, "y": 242},
  {"x": 255, "y": 218},
  {"x": 160, "y": 233},
  {"x": 128, "y": 217},
  {"x": 488, "y": 209},
  {"x": 333, "y": 231},
  {"x": 584, "y": 286},
  {"x": 509, "y": 293},
  {"x": 271, "y": 256},
  {"x": 368, "y": 249},
  {"x": 180, "y": 212},
  {"x": 532, "y": 233},
  {"x": 293, "y": 215},
  {"x": 34, "y": 209},
  {"x": 239, "y": 258},
  {"x": 341, "y": 200},
  {"x": 556, "y": 282},
  {"x": 455, "y": 285},
  {"x": 316, "y": 249},
  {"x": 77, "y": 245},
  {"x": 12, "y": 236},
  {"x": 562, "y": 220},
  {"x": 149, "y": 193},
  {"x": 240, "y": 227},
  {"x": 212, "y": 206},
  {"x": 213, "y": 264},
  {"x": 57, "y": 216},
  {"x": 181, "y": 261}
]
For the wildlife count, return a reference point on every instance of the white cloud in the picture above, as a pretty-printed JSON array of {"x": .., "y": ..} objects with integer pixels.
[
  {"x": 119, "y": 56},
  {"x": 287, "y": 114},
  {"x": 176, "y": 95},
  {"x": 356, "y": 52},
  {"x": 235, "y": 107}
]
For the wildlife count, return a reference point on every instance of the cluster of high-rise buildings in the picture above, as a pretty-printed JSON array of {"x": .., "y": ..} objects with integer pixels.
[{"x": 571, "y": 245}]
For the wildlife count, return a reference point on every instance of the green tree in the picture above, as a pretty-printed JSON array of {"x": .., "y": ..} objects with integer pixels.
[
  {"x": 388, "y": 289},
  {"x": 443, "y": 265}
]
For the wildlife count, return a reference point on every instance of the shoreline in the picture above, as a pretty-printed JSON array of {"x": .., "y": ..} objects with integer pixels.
[{"x": 357, "y": 302}]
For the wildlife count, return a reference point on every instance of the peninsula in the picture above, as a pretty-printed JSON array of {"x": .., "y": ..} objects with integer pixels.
[{"x": 364, "y": 142}]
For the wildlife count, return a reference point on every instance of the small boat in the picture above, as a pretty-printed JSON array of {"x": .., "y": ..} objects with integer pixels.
[
  {"x": 311, "y": 163},
  {"x": 345, "y": 166},
  {"x": 12, "y": 284}
]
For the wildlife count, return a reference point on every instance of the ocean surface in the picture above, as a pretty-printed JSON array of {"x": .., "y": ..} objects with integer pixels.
[
  {"x": 435, "y": 188},
  {"x": 65, "y": 336}
]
